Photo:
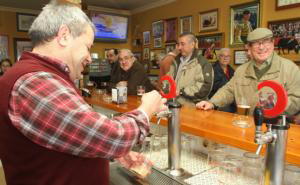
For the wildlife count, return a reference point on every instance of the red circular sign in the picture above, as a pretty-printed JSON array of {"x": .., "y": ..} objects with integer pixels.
[{"x": 172, "y": 92}]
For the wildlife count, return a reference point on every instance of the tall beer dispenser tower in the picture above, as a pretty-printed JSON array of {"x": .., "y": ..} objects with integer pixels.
[{"x": 276, "y": 135}]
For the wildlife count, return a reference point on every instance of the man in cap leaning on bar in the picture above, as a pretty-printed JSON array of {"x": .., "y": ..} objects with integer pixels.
[{"x": 264, "y": 64}]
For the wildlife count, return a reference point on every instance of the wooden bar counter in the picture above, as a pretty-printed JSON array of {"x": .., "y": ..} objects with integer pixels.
[{"x": 213, "y": 125}]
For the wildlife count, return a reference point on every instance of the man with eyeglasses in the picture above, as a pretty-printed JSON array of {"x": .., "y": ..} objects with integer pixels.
[
  {"x": 264, "y": 64},
  {"x": 130, "y": 73}
]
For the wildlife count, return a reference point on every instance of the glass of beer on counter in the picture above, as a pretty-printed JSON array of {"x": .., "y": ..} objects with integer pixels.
[{"x": 243, "y": 110}]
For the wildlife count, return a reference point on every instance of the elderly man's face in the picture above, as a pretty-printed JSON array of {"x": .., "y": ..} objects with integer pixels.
[
  {"x": 126, "y": 61},
  {"x": 185, "y": 46},
  {"x": 261, "y": 49},
  {"x": 224, "y": 58}
]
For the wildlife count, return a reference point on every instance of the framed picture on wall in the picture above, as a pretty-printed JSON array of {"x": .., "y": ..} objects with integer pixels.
[
  {"x": 146, "y": 37},
  {"x": 243, "y": 19},
  {"x": 158, "y": 28},
  {"x": 210, "y": 44},
  {"x": 3, "y": 46},
  {"x": 186, "y": 24},
  {"x": 208, "y": 20},
  {"x": 20, "y": 45},
  {"x": 287, "y": 38},
  {"x": 284, "y": 4},
  {"x": 24, "y": 21},
  {"x": 240, "y": 57},
  {"x": 157, "y": 42},
  {"x": 171, "y": 30}
]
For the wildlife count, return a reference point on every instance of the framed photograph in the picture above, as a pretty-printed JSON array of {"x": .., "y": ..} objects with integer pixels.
[
  {"x": 24, "y": 21},
  {"x": 3, "y": 46},
  {"x": 284, "y": 4},
  {"x": 157, "y": 42},
  {"x": 171, "y": 26},
  {"x": 170, "y": 47},
  {"x": 243, "y": 19},
  {"x": 210, "y": 45},
  {"x": 155, "y": 56},
  {"x": 240, "y": 57},
  {"x": 208, "y": 20},
  {"x": 146, "y": 54},
  {"x": 287, "y": 38},
  {"x": 186, "y": 24},
  {"x": 158, "y": 28},
  {"x": 146, "y": 37},
  {"x": 20, "y": 45}
]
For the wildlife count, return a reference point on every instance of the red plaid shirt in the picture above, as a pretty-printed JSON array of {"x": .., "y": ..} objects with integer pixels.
[{"x": 48, "y": 111}]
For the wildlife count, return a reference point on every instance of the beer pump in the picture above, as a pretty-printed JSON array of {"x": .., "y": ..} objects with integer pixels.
[
  {"x": 275, "y": 136},
  {"x": 174, "y": 134}
]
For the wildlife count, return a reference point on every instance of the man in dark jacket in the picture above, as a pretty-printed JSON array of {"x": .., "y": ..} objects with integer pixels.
[{"x": 130, "y": 73}]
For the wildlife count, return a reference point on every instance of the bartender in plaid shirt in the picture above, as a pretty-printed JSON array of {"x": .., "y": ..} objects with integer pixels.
[{"x": 48, "y": 133}]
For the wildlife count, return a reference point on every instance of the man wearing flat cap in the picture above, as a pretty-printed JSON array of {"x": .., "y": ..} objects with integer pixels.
[{"x": 264, "y": 64}]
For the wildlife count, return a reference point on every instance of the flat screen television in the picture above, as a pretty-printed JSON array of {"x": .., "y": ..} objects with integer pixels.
[{"x": 110, "y": 27}]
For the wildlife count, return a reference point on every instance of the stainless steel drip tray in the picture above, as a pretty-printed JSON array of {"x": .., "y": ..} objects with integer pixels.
[{"x": 120, "y": 175}]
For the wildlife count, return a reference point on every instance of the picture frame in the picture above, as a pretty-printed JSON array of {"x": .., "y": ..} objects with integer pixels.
[
  {"x": 157, "y": 42},
  {"x": 243, "y": 19},
  {"x": 285, "y": 4},
  {"x": 209, "y": 20},
  {"x": 146, "y": 38},
  {"x": 20, "y": 45},
  {"x": 155, "y": 56},
  {"x": 210, "y": 44},
  {"x": 186, "y": 23},
  {"x": 146, "y": 54},
  {"x": 286, "y": 38},
  {"x": 240, "y": 57},
  {"x": 24, "y": 21},
  {"x": 158, "y": 28},
  {"x": 171, "y": 26},
  {"x": 4, "y": 49}
]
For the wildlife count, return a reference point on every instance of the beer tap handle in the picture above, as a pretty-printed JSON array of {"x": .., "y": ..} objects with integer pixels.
[
  {"x": 258, "y": 150},
  {"x": 258, "y": 115}
]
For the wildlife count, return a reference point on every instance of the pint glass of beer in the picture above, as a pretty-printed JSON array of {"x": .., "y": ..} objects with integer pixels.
[{"x": 243, "y": 110}]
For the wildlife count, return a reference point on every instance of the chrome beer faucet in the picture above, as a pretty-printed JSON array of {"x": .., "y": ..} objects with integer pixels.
[
  {"x": 174, "y": 137},
  {"x": 275, "y": 138}
]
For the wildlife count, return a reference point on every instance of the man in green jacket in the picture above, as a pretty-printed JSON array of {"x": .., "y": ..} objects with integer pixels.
[
  {"x": 192, "y": 72},
  {"x": 265, "y": 64}
]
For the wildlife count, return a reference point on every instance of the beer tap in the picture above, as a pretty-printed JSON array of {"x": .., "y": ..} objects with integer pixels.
[
  {"x": 174, "y": 134},
  {"x": 275, "y": 137}
]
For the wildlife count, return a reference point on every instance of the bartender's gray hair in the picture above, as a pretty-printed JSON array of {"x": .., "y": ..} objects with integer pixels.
[
  {"x": 128, "y": 51},
  {"x": 190, "y": 35},
  {"x": 46, "y": 26},
  {"x": 222, "y": 50}
]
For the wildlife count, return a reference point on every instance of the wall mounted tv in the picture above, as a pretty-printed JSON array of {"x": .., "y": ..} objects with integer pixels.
[{"x": 110, "y": 27}]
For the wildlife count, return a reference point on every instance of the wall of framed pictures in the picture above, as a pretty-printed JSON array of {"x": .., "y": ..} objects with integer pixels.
[{"x": 217, "y": 17}]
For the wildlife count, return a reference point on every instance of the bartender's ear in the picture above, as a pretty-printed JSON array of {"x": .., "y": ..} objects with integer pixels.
[{"x": 63, "y": 35}]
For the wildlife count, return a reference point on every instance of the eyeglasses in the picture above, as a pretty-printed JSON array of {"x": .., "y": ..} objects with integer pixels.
[
  {"x": 125, "y": 59},
  {"x": 225, "y": 56},
  {"x": 264, "y": 43}
]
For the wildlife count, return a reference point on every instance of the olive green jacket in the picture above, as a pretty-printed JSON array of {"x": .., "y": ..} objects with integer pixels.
[
  {"x": 244, "y": 84},
  {"x": 196, "y": 80}
]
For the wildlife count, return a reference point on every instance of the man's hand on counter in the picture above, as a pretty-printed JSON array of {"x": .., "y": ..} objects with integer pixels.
[
  {"x": 204, "y": 105},
  {"x": 152, "y": 102}
]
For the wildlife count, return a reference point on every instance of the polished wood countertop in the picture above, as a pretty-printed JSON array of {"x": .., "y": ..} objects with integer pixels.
[{"x": 213, "y": 125}]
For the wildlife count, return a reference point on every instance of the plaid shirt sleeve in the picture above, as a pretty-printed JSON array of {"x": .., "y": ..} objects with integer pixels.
[{"x": 50, "y": 113}]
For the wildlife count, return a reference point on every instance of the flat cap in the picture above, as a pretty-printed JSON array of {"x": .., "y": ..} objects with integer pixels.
[{"x": 259, "y": 33}]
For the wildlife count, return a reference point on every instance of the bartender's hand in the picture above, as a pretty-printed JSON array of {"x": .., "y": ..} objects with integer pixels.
[
  {"x": 204, "y": 105},
  {"x": 136, "y": 162},
  {"x": 152, "y": 102}
]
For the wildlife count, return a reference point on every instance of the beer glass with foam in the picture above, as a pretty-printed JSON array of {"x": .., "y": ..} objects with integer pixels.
[{"x": 243, "y": 110}]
